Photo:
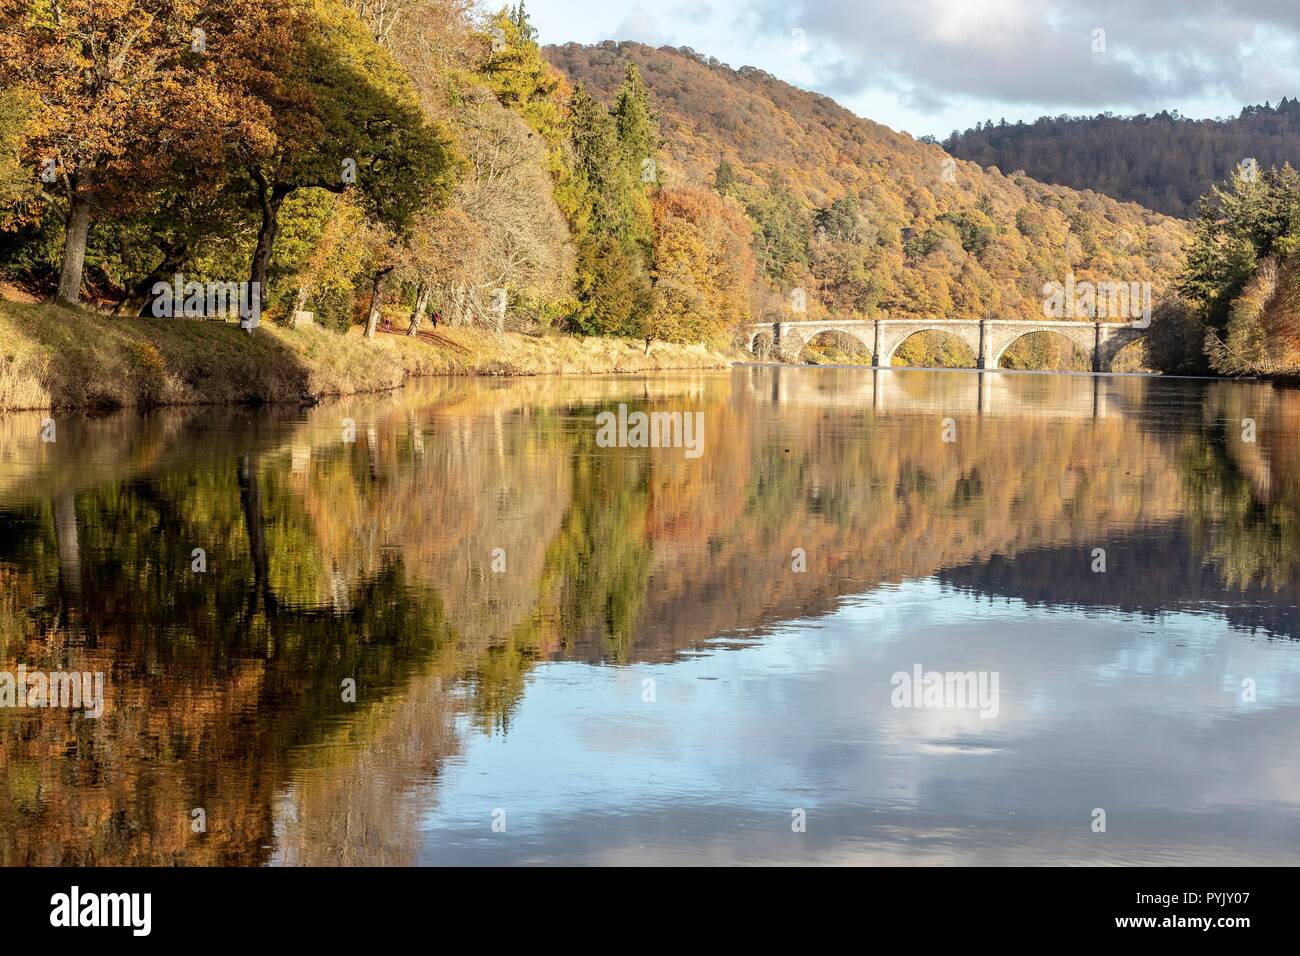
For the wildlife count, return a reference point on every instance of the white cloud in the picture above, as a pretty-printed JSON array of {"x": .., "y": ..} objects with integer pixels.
[{"x": 934, "y": 65}]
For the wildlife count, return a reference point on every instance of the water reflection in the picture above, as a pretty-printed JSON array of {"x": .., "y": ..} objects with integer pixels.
[{"x": 373, "y": 560}]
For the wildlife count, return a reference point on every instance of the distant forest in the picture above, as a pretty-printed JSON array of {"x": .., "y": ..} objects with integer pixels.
[{"x": 1165, "y": 162}]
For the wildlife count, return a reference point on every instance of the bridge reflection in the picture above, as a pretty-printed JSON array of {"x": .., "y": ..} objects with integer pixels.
[{"x": 906, "y": 391}]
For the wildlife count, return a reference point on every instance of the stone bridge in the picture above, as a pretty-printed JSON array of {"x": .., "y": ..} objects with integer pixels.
[{"x": 988, "y": 339}]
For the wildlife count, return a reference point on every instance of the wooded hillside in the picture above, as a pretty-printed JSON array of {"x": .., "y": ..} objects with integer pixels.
[
  {"x": 866, "y": 219},
  {"x": 1165, "y": 162}
]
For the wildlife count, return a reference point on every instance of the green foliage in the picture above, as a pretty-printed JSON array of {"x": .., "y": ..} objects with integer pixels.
[
  {"x": 614, "y": 288},
  {"x": 1244, "y": 236},
  {"x": 359, "y": 105},
  {"x": 724, "y": 177},
  {"x": 841, "y": 221},
  {"x": 783, "y": 229},
  {"x": 1175, "y": 343},
  {"x": 519, "y": 18},
  {"x": 599, "y": 563},
  {"x": 610, "y": 149},
  {"x": 638, "y": 130},
  {"x": 18, "y": 190},
  {"x": 519, "y": 75},
  {"x": 1245, "y": 345},
  {"x": 974, "y": 227},
  {"x": 1236, "y": 227}
]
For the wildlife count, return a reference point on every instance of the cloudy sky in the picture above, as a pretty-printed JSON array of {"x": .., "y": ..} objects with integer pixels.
[{"x": 931, "y": 66}]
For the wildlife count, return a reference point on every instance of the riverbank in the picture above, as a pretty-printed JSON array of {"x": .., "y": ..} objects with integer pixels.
[{"x": 55, "y": 357}]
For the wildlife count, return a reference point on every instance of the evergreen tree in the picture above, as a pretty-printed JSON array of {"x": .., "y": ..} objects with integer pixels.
[
  {"x": 1257, "y": 216},
  {"x": 638, "y": 129},
  {"x": 724, "y": 178},
  {"x": 784, "y": 227},
  {"x": 520, "y": 76},
  {"x": 519, "y": 17},
  {"x": 614, "y": 254},
  {"x": 596, "y": 161}
]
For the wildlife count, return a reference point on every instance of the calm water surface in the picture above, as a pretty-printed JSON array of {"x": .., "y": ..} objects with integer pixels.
[{"x": 648, "y": 680}]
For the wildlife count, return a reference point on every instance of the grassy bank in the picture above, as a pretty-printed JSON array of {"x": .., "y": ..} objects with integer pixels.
[{"x": 53, "y": 357}]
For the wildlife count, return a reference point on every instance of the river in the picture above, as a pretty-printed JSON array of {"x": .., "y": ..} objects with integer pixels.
[{"x": 451, "y": 625}]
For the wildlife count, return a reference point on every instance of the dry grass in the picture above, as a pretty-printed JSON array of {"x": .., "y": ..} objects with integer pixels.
[{"x": 71, "y": 358}]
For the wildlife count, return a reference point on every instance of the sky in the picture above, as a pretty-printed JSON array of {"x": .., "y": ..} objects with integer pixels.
[{"x": 932, "y": 66}]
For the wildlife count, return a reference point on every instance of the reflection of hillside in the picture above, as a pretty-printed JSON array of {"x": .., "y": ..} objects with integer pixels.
[
  {"x": 1153, "y": 573},
  {"x": 874, "y": 500},
  {"x": 372, "y": 559}
]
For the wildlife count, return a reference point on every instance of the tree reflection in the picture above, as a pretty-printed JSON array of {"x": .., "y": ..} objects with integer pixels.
[{"x": 371, "y": 561}]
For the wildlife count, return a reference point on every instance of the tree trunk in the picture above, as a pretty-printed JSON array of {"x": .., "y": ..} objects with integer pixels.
[
  {"x": 421, "y": 303},
  {"x": 77, "y": 228},
  {"x": 250, "y": 499},
  {"x": 376, "y": 302},
  {"x": 270, "y": 200},
  {"x": 65, "y": 535},
  {"x": 139, "y": 300},
  {"x": 457, "y": 317}
]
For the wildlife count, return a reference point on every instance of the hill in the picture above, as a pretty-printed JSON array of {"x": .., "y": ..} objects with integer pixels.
[
  {"x": 1165, "y": 162},
  {"x": 866, "y": 219}
]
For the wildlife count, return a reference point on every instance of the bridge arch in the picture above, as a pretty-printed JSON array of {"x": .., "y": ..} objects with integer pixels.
[
  {"x": 893, "y": 333},
  {"x": 793, "y": 337},
  {"x": 1112, "y": 347},
  {"x": 939, "y": 348},
  {"x": 1082, "y": 336},
  {"x": 848, "y": 339}
]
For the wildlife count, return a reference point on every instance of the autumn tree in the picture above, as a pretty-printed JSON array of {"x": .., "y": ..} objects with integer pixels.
[
  {"x": 515, "y": 69},
  {"x": 124, "y": 87},
  {"x": 344, "y": 117},
  {"x": 323, "y": 259},
  {"x": 703, "y": 267},
  {"x": 525, "y": 247},
  {"x": 19, "y": 189},
  {"x": 500, "y": 230}
]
